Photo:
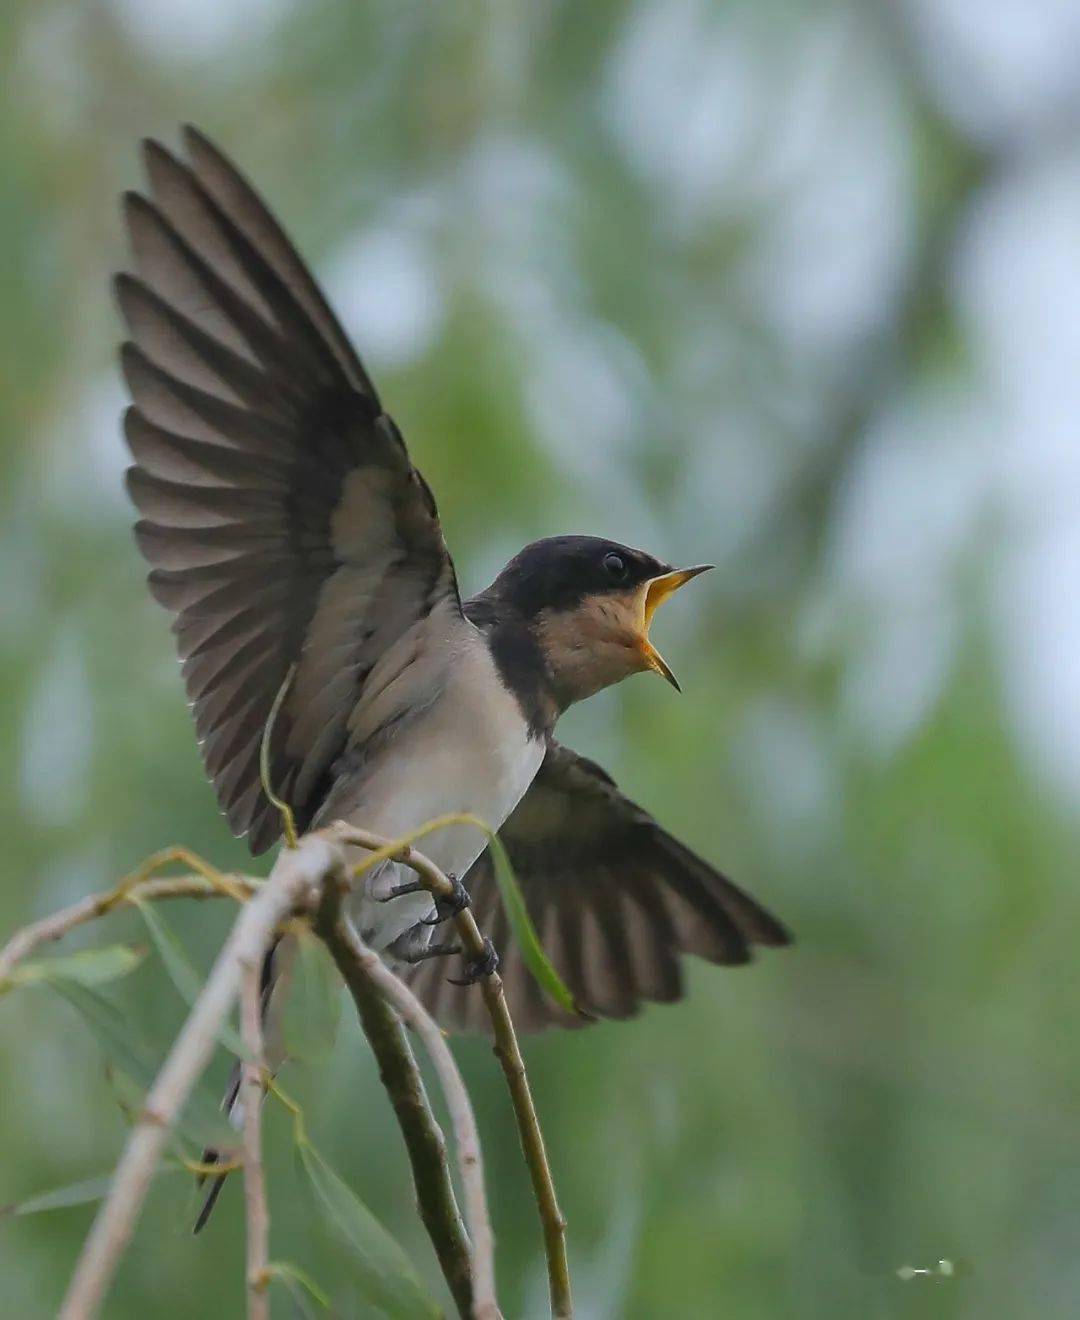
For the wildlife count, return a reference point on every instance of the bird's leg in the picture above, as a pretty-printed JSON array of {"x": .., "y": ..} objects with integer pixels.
[{"x": 478, "y": 966}]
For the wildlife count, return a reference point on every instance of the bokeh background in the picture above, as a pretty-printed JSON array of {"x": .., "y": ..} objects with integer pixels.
[{"x": 791, "y": 287}]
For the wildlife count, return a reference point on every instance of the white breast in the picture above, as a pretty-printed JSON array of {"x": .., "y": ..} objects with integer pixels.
[{"x": 470, "y": 752}]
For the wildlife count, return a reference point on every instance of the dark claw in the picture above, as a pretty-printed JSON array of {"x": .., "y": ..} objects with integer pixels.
[
  {"x": 413, "y": 887},
  {"x": 432, "y": 951},
  {"x": 478, "y": 966},
  {"x": 449, "y": 905}
]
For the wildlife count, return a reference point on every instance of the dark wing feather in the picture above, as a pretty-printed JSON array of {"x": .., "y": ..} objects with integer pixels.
[
  {"x": 282, "y": 517},
  {"x": 614, "y": 897}
]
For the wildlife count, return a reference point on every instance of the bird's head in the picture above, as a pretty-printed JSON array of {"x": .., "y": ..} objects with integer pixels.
[{"x": 589, "y": 603}]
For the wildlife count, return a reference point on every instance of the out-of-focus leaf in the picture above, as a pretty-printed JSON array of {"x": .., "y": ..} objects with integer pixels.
[
  {"x": 382, "y": 1270},
  {"x": 181, "y": 971},
  {"x": 299, "y": 1285},
  {"x": 127, "y": 1092},
  {"x": 313, "y": 1004},
  {"x": 84, "y": 1192},
  {"x": 115, "y": 1034},
  {"x": 87, "y": 967},
  {"x": 202, "y": 1120},
  {"x": 532, "y": 950},
  {"x": 77, "y": 1193}
]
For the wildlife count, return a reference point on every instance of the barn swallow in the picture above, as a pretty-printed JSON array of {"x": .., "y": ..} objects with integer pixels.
[{"x": 287, "y": 530}]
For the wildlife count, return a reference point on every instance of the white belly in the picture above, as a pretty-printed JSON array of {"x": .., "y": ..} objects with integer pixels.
[{"x": 471, "y": 752}]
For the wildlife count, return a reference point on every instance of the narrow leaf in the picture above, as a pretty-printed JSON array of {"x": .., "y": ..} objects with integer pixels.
[
  {"x": 201, "y": 1120},
  {"x": 313, "y": 1003},
  {"x": 382, "y": 1270},
  {"x": 288, "y": 820},
  {"x": 181, "y": 971},
  {"x": 521, "y": 923},
  {"x": 299, "y": 1285},
  {"x": 78, "y": 1193},
  {"x": 60, "y": 1198},
  {"x": 87, "y": 967}
]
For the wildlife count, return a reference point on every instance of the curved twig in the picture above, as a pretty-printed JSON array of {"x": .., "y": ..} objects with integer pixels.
[
  {"x": 359, "y": 964},
  {"x": 505, "y": 1045},
  {"x": 424, "y": 1140},
  {"x": 129, "y": 892}
]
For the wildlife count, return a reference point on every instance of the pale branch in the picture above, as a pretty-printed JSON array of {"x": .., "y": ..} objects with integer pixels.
[
  {"x": 507, "y": 1051},
  {"x": 252, "y": 1084},
  {"x": 363, "y": 972},
  {"x": 300, "y": 882},
  {"x": 128, "y": 893},
  {"x": 294, "y": 884},
  {"x": 398, "y": 1071}
]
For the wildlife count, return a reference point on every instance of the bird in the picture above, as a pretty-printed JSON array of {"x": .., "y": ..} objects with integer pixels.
[{"x": 300, "y": 552}]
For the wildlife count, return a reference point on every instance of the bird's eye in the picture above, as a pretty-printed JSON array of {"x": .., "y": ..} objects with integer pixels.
[{"x": 615, "y": 567}]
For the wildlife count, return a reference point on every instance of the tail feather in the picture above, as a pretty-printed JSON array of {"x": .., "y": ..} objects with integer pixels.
[
  {"x": 230, "y": 1101},
  {"x": 213, "y": 1192}
]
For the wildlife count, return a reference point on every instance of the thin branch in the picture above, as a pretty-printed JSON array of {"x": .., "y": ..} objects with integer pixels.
[
  {"x": 294, "y": 884},
  {"x": 251, "y": 1081},
  {"x": 363, "y": 972},
  {"x": 423, "y": 1137},
  {"x": 299, "y": 879},
  {"x": 506, "y": 1050},
  {"x": 126, "y": 894},
  {"x": 552, "y": 1221}
]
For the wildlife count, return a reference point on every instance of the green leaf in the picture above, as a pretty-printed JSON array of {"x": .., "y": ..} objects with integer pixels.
[
  {"x": 299, "y": 1285},
  {"x": 382, "y": 1270},
  {"x": 60, "y": 1198},
  {"x": 313, "y": 1003},
  {"x": 532, "y": 950},
  {"x": 78, "y": 1193},
  {"x": 88, "y": 967},
  {"x": 186, "y": 980},
  {"x": 202, "y": 1120}
]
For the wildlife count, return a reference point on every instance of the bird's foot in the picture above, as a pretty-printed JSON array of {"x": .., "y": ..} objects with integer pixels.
[
  {"x": 449, "y": 905},
  {"x": 478, "y": 966}
]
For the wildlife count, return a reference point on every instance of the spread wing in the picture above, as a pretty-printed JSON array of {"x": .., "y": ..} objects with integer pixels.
[
  {"x": 615, "y": 900},
  {"x": 281, "y": 515}
]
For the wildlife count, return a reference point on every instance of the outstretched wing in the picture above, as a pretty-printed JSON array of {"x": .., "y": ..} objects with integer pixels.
[
  {"x": 282, "y": 517},
  {"x": 615, "y": 900}
]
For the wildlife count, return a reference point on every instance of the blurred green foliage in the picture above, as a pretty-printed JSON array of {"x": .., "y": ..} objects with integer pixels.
[{"x": 579, "y": 245}]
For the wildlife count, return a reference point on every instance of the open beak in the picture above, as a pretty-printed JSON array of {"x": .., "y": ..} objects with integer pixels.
[{"x": 657, "y": 590}]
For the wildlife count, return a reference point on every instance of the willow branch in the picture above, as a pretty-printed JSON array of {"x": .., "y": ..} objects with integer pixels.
[
  {"x": 251, "y": 1089},
  {"x": 367, "y": 977},
  {"x": 552, "y": 1221},
  {"x": 127, "y": 893},
  {"x": 294, "y": 884},
  {"x": 424, "y": 1141},
  {"x": 507, "y": 1052}
]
